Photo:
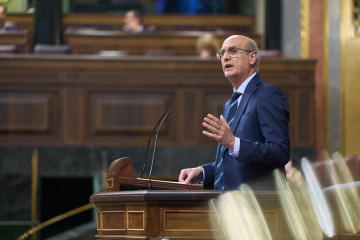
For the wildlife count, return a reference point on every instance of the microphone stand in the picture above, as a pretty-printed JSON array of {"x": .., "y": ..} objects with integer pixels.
[
  {"x": 147, "y": 148},
  {"x": 156, "y": 137}
]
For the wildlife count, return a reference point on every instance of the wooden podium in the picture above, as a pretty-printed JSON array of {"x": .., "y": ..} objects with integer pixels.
[{"x": 170, "y": 210}]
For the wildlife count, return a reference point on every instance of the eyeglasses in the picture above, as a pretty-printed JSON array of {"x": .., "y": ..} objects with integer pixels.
[{"x": 232, "y": 51}]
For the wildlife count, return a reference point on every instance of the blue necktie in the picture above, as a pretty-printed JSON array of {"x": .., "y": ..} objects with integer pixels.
[{"x": 219, "y": 175}]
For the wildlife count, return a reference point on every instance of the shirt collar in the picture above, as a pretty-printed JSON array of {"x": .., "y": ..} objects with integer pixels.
[{"x": 242, "y": 87}]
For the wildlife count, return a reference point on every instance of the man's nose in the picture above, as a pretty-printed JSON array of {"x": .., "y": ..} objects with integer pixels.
[{"x": 226, "y": 56}]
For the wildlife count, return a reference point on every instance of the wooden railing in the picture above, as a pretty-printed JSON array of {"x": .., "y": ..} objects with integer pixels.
[
  {"x": 161, "y": 22},
  {"x": 179, "y": 43},
  {"x": 177, "y": 33}
]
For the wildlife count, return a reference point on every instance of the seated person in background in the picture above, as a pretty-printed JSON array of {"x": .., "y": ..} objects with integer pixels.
[
  {"x": 4, "y": 25},
  {"x": 133, "y": 22},
  {"x": 207, "y": 46},
  {"x": 2, "y": 17}
]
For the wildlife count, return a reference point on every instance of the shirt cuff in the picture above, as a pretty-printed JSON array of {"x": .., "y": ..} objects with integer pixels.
[
  {"x": 235, "y": 152},
  {"x": 202, "y": 180}
]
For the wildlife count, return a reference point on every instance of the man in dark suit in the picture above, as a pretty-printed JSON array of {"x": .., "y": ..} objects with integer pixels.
[
  {"x": 6, "y": 25},
  {"x": 252, "y": 133},
  {"x": 133, "y": 22},
  {"x": 2, "y": 16}
]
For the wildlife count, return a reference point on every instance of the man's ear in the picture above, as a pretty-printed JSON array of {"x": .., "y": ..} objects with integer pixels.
[{"x": 252, "y": 57}]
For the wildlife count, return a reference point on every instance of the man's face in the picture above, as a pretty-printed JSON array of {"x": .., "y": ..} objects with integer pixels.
[
  {"x": 236, "y": 68},
  {"x": 130, "y": 21},
  {"x": 2, "y": 14},
  {"x": 128, "y": 18}
]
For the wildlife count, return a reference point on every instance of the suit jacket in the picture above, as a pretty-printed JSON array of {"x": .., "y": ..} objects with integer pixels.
[{"x": 261, "y": 124}]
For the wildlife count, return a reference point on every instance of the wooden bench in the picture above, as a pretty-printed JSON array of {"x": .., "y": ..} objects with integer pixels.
[
  {"x": 161, "y": 22},
  {"x": 89, "y": 41},
  {"x": 177, "y": 33},
  {"x": 167, "y": 22},
  {"x": 19, "y": 38}
]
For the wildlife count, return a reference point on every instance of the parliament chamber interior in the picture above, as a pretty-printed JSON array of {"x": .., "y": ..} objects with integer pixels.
[{"x": 80, "y": 94}]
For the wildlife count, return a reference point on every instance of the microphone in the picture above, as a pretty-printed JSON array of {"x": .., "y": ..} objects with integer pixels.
[
  {"x": 156, "y": 137},
  {"x": 147, "y": 148}
]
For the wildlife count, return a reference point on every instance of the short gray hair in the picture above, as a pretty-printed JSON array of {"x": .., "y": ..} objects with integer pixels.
[{"x": 252, "y": 46}]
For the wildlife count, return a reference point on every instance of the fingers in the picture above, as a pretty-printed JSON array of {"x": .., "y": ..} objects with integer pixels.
[
  {"x": 183, "y": 175},
  {"x": 211, "y": 129},
  {"x": 215, "y": 127},
  {"x": 224, "y": 122},
  {"x": 210, "y": 135},
  {"x": 190, "y": 175},
  {"x": 218, "y": 130},
  {"x": 186, "y": 176},
  {"x": 212, "y": 120},
  {"x": 212, "y": 123},
  {"x": 188, "y": 180}
]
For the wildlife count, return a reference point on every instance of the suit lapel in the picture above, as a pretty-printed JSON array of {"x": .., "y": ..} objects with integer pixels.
[{"x": 249, "y": 90}]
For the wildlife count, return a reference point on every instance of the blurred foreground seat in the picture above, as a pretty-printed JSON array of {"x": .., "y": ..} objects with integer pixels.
[
  {"x": 343, "y": 198},
  {"x": 322, "y": 169}
]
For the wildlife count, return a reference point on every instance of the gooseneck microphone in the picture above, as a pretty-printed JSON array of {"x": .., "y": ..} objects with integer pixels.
[
  {"x": 147, "y": 148},
  {"x": 156, "y": 137}
]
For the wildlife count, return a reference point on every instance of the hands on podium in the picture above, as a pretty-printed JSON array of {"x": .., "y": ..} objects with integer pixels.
[{"x": 191, "y": 175}]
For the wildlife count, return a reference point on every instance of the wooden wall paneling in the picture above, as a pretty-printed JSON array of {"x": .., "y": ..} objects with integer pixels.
[
  {"x": 25, "y": 112},
  {"x": 29, "y": 116},
  {"x": 305, "y": 125},
  {"x": 133, "y": 74},
  {"x": 217, "y": 90},
  {"x": 36, "y": 83},
  {"x": 31, "y": 75},
  {"x": 92, "y": 97},
  {"x": 126, "y": 112},
  {"x": 73, "y": 115},
  {"x": 41, "y": 89},
  {"x": 214, "y": 101},
  {"x": 128, "y": 115},
  {"x": 190, "y": 123}
]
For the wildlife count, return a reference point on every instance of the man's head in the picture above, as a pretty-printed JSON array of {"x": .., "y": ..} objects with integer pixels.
[
  {"x": 132, "y": 21},
  {"x": 239, "y": 58},
  {"x": 2, "y": 15},
  {"x": 207, "y": 46}
]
